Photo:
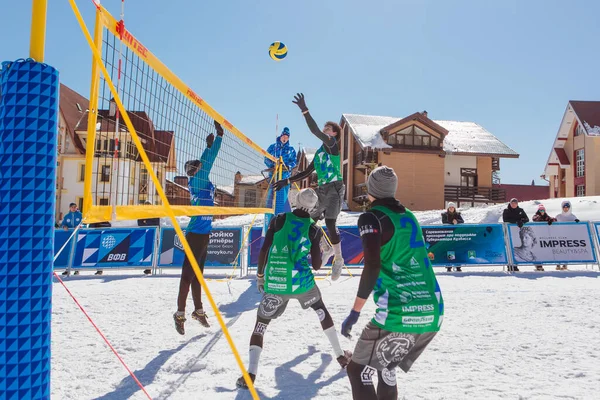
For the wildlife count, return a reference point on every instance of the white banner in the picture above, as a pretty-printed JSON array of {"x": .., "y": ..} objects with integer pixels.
[{"x": 564, "y": 243}]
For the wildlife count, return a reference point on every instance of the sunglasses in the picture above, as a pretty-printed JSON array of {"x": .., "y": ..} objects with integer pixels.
[
  {"x": 542, "y": 210},
  {"x": 567, "y": 206}
]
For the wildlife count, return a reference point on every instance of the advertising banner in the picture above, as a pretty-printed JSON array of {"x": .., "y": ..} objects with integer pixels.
[
  {"x": 109, "y": 248},
  {"x": 352, "y": 250},
  {"x": 60, "y": 238},
  {"x": 223, "y": 248},
  {"x": 559, "y": 243}
]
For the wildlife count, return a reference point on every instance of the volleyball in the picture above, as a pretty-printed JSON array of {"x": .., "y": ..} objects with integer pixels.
[{"x": 277, "y": 51}]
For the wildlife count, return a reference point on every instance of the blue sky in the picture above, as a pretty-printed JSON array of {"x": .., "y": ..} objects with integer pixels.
[{"x": 509, "y": 65}]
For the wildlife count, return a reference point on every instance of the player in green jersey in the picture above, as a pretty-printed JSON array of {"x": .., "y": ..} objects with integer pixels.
[
  {"x": 331, "y": 189},
  {"x": 284, "y": 273},
  {"x": 409, "y": 302}
]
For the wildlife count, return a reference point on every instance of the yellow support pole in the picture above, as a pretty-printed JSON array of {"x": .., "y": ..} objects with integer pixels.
[{"x": 38, "y": 30}]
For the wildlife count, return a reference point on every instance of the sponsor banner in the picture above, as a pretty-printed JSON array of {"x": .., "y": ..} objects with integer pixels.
[
  {"x": 464, "y": 244},
  {"x": 108, "y": 248},
  {"x": 597, "y": 227},
  {"x": 351, "y": 246},
  {"x": 223, "y": 248},
  {"x": 60, "y": 238},
  {"x": 561, "y": 242}
]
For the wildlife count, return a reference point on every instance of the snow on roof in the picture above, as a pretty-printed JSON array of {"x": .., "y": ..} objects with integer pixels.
[
  {"x": 595, "y": 131},
  {"x": 227, "y": 189},
  {"x": 251, "y": 179},
  {"x": 463, "y": 137},
  {"x": 309, "y": 153}
]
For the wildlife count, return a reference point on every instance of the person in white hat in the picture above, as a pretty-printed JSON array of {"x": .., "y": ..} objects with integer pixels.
[{"x": 284, "y": 273}]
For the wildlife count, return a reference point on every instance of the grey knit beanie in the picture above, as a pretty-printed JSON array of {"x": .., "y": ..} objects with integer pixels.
[
  {"x": 306, "y": 200},
  {"x": 382, "y": 183}
]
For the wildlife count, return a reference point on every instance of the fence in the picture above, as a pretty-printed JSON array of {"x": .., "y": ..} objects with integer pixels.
[{"x": 447, "y": 245}]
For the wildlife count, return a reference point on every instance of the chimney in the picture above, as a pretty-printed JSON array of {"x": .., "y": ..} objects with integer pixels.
[
  {"x": 112, "y": 108},
  {"x": 424, "y": 113},
  {"x": 181, "y": 180},
  {"x": 238, "y": 177}
]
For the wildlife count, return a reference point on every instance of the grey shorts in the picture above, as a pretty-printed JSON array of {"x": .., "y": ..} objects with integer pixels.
[
  {"x": 383, "y": 349},
  {"x": 331, "y": 197},
  {"x": 272, "y": 305}
]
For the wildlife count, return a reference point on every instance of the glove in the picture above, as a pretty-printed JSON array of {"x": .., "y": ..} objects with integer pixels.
[
  {"x": 349, "y": 323},
  {"x": 219, "y": 129},
  {"x": 576, "y": 220},
  {"x": 209, "y": 140},
  {"x": 520, "y": 224},
  {"x": 281, "y": 184},
  {"x": 550, "y": 222},
  {"x": 299, "y": 101},
  {"x": 260, "y": 283}
]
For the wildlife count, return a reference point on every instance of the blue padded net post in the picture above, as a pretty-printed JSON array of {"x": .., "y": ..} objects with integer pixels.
[{"x": 28, "y": 130}]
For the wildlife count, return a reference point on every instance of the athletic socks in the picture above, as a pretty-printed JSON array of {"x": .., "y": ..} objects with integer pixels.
[
  {"x": 333, "y": 339},
  {"x": 254, "y": 358}
]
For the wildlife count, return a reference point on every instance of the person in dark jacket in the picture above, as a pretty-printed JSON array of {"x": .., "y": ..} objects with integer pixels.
[
  {"x": 452, "y": 216},
  {"x": 513, "y": 214},
  {"x": 542, "y": 216}
]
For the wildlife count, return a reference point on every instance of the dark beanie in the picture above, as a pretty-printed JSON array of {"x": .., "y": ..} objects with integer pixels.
[{"x": 382, "y": 183}]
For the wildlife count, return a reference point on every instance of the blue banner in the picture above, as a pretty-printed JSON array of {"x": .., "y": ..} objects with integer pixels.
[
  {"x": 352, "y": 250},
  {"x": 456, "y": 245},
  {"x": 112, "y": 247},
  {"x": 60, "y": 238},
  {"x": 223, "y": 248}
]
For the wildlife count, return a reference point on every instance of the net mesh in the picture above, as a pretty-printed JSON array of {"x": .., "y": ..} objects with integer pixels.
[{"x": 174, "y": 129}]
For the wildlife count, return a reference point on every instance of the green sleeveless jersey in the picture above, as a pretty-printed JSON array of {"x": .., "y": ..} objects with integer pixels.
[
  {"x": 327, "y": 167},
  {"x": 288, "y": 270},
  {"x": 407, "y": 293}
]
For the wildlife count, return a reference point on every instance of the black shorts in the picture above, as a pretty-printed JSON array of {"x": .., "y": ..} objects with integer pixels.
[{"x": 272, "y": 305}]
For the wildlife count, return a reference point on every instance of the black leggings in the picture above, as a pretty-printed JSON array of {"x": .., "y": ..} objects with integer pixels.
[
  {"x": 361, "y": 380},
  {"x": 332, "y": 230},
  {"x": 199, "y": 245}
]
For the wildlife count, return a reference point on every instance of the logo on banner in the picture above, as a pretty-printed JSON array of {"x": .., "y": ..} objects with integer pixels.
[
  {"x": 108, "y": 242},
  {"x": 177, "y": 242}
]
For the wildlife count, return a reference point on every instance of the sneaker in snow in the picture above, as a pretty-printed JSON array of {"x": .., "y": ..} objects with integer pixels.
[
  {"x": 76, "y": 273},
  {"x": 200, "y": 316},
  {"x": 179, "y": 321},
  {"x": 65, "y": 273},
  {"x": 99, "y": 272},
  {"x": 241, "y": 382},
  {"x": 345, "y": 359},
  {"x": 336, "y": 268},
  {"x": 326, "y": 250}
]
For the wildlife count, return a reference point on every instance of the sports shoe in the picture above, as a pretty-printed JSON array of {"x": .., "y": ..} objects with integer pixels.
[
  {"x": 65, "y": 273},
  {"x": 345, "y": 359},
  {"x": 200, "y": 316},
  {"x": 327, "y": 250},
  {"x": 99, "y": 272},
  {"x": 241, "y": 382},
  {"x": 336, "y": 268},
  {"x": 179, "y": 321}
]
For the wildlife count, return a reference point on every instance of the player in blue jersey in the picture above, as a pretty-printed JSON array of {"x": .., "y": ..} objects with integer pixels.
[{"x": 202, "y": 193}]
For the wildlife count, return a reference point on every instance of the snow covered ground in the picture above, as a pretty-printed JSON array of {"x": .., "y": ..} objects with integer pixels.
[{"x": 529, "y": 335}]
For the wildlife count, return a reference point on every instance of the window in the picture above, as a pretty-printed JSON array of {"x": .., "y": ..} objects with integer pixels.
[
  {"x": 79, "y": 202},
  {"x": 105, "y": 176},
  {"x": 103, "y": 201},
  {"x": 579, "y": 163},
  {"x": 468, "y": 177},
  {"x": 143, "y": 176},
  {"x": 578, "y": 130},
  {"x": 81, "y": 176},
  {"x": 250, "y": 198},
  {"x": 413, "y": 137},
  {"x": 580, "y": 190}
]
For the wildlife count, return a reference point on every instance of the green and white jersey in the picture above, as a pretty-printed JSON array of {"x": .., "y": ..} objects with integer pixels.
[
  {"x": 327, "y": 167},
  {"x": 407, "y": 293},
  {"x": 288, "y": 270}
]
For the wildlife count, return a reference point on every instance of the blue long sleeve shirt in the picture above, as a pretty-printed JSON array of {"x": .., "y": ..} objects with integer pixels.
[
  {"x": 202, "y": 191},
  {"x": 71, "y": 219}
]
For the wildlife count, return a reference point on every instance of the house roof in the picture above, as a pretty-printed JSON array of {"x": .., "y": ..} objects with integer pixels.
[
  {"x": 563, "y": 159},
  {"x": 463, "y": 137},
  {"x": 421, "y": 117},
  {"x": 157, "y": 144},
  {"x": 73, "y": 107},
  {"x": 308, "y": 152},
  {"x": 251, "y": 179},
  {"x": 230, "y": 190},
  {"x": 588, "y": 113}
]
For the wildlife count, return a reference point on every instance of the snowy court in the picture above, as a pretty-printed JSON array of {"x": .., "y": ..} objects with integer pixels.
[{"x": 523, "y": 336}]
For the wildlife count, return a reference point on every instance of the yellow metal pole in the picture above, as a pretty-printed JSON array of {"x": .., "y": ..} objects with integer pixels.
[{"x": 38, "y": 30}]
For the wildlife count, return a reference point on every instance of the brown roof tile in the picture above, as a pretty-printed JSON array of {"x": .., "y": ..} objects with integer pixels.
[
  {"x": 72, "y": 114},
  {"x": 587, "y": 111}
]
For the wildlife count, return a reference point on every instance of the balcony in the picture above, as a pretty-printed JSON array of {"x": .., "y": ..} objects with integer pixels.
[
  {"x": 365, "y": 157},
  {"x": 474, "y": 194},
  {"x": 359, "y": 194}
]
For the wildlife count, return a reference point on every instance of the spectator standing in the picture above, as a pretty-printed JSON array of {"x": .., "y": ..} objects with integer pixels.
[
  {"x": 542, "y": 216},
  {"x": 513, "y": 214},
  {"x": 452, "y": 217},
  {"x": 565, "y": 216},
  {"x": 72, "y": 218},
  {"x": 148, "y": 222}
]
